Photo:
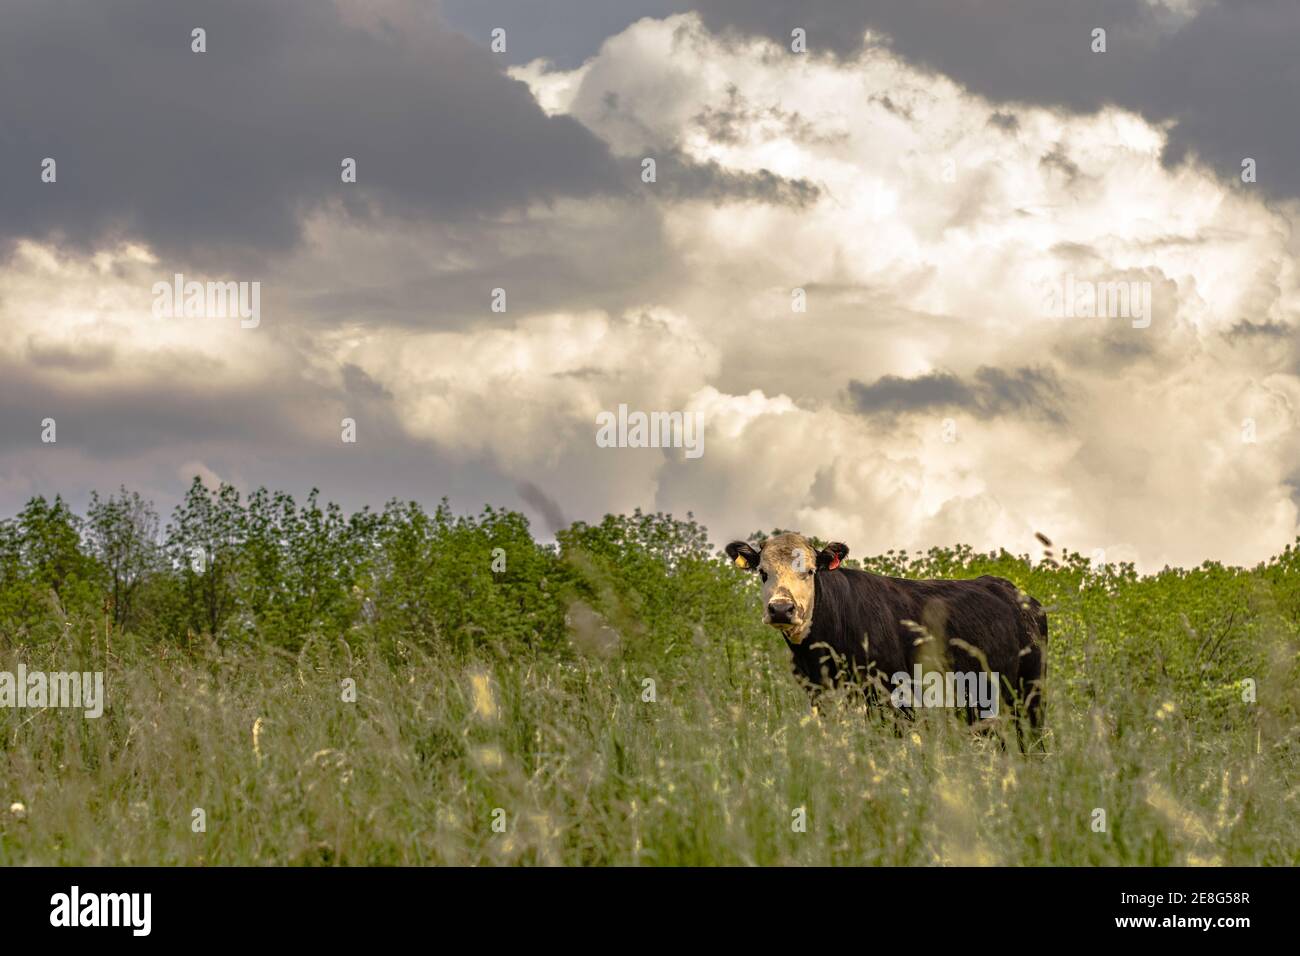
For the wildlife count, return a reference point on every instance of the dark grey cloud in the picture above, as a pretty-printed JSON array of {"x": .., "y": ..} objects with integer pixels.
[
  {"x": 601, "y": 256},
  {"x": 1292, "y": 483},
  {"x": 566, "y": 32},
  {"x": 357, "y": 382},
  {"x": 1002, "y": 49},
  {"x": 1227, "y": 76},
  {"x": 988, "y": 393},
  {"x": 225, "y": 150},
  {"x": 1266, "y": 329},
  {"x": 1007, "y": 122},
  {"x": 285, "y": 434},
  {"x": 132, "y": 415}
]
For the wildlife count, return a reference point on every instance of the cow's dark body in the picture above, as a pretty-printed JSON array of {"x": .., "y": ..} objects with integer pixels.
[{"x": 858, "y": 631}]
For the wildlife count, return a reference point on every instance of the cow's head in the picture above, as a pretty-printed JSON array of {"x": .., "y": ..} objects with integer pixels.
[{"x": 787, "y": 565}]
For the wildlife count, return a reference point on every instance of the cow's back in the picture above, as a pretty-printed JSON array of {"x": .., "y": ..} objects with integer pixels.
[
  {"x": 981, "y": 613},
  {"x": 874, "y": 620},
  {"x": 875, "y": 625}
]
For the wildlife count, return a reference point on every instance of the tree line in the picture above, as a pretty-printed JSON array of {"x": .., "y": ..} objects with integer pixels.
[{"x": 265, "y": 567}]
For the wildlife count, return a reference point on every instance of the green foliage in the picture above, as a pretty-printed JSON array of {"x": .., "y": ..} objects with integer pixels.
[
  {"x": 122, "y": 537},
  {"x": 204, "y": 541},
  {"x": 655, "y": 577},
  {"x": 433, "y": 580},
  {"x": 44, "y": 573},
  {"x": 495, "y": 671}
]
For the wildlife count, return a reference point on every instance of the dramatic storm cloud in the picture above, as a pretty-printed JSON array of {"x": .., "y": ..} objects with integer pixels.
[
  {"x": 230, "y": 147},
  {"x": 1221, "y": 71},
  {"x": 955, "y": 279}
]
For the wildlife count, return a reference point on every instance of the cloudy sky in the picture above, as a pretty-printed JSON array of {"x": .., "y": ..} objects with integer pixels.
[{"x": 927, "y": 178}]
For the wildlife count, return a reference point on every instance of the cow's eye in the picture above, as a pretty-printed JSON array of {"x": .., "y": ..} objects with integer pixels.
[{"x": 762, "y": 574}]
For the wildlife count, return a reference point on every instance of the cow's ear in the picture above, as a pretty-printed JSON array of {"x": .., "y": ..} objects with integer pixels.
[
  {"x": 829, "y": 557},
  {"x": 743, "y": 554}
]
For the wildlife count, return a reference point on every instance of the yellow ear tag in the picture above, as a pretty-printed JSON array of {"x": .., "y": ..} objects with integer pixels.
[{"x": 741, "y": 562}]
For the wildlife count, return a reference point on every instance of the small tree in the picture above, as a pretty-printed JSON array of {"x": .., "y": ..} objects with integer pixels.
[
  {"x": 204, "y": 538},
  {"x": 50, "y": 545},
  {"x": 122, "y": 532}
]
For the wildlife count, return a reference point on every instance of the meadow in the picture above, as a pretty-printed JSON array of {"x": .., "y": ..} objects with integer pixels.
[{"x": 406, "y": 687}]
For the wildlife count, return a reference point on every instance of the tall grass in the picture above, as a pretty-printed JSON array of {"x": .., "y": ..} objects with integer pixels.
[{"x": 575, "y": 766}]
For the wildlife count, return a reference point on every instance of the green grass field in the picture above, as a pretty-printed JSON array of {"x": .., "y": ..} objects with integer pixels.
[
  {"x": 586, "y": 771},
  {"x": 472, "y": 749}
]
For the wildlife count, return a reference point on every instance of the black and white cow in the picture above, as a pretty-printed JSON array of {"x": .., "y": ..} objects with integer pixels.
[{"x": 843, "y": 624}]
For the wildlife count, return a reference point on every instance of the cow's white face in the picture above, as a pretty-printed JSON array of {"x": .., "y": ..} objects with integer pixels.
[{"x": 787, "y": 565}]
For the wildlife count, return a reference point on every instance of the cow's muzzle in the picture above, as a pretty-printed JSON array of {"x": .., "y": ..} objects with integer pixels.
[{"x": 780, "y": 611}]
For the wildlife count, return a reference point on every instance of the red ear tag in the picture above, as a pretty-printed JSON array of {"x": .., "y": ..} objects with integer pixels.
[{"x": 835, "y": 562}]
